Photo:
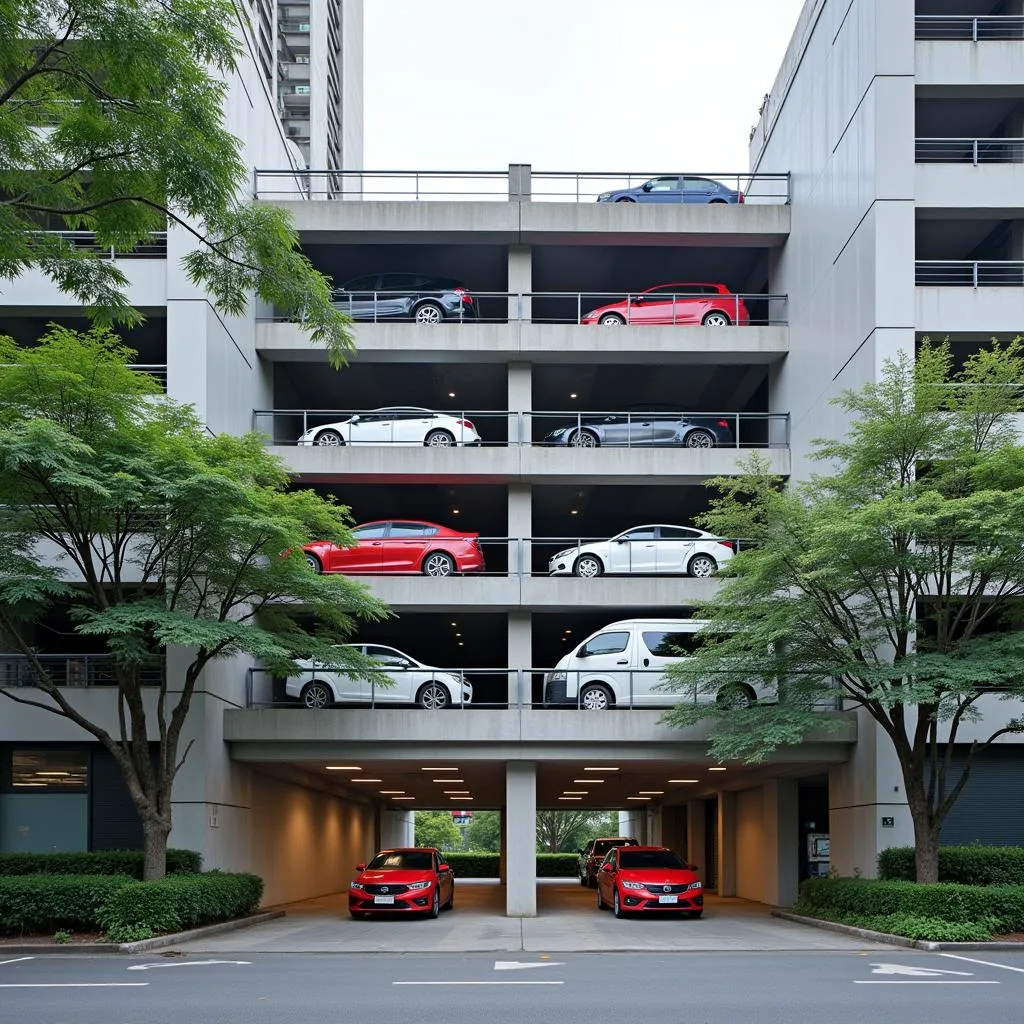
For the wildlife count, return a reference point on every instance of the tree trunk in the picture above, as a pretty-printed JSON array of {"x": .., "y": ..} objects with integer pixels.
[
  {"x": 155, "y": 832},
  {"x": 926, "y": 837}
]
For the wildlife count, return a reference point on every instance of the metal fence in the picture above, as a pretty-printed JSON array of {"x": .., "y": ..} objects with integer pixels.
[
  {"x": 970, "y": 273},
  {"x": 969, "y": 151},
  {"x": 966, "y": 27},
  {"x": 73, "y": 670},
  {"x": 155, "y": 248},
  {"x": 570, "y": 428},
  {"x": 518, "y": 183}
]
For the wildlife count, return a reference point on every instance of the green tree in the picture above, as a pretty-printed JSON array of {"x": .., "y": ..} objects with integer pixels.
[
  {"x": 111, "y": 122},
  {"x": 168, "y": 537},
  {"x": 891, "y": 581},
  {"x": 566, "y": 831},
  {"x": 484, "y": 831},
  {"x": 436, "y": 828}
]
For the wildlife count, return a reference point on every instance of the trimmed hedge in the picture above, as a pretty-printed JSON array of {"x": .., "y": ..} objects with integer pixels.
[
  {"x": 101, "y": 862},
  {"x": 488, "y": 865},
  {"x": 967, "y": 865},
  {"x": 141, "y": 909},
  {"x": 998, "y": 908},
  {"x": 557, "y": 865},
  {"x": 42, "y": 904}
]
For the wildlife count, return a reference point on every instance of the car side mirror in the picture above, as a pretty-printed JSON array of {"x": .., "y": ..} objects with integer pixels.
[
  {"x": 608, "y": 868},
  {"x": 638, "y": 300},
  {"x": 647, "y": 186},
  {"x": 443, "y": 867},
  {"x": 360, "y": 867},
  {"x": 583, "y": 653},
  {"x": 620, "y": 540},
  {"x": 354, "y": 419}
]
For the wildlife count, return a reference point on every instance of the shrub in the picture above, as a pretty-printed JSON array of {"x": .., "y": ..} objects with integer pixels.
[
  {"x": 100, "y": 862},
  {"x": 968, "y": 865},
  {"x": 178, "y": 902},
  {"x": 474, "y": 865},
  {"x": 557, "y": 865},
  {"x": 45, "y": 904}
]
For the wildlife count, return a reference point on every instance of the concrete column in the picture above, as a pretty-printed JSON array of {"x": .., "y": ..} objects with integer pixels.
[
  {"x": 520, "y": 656},
  {"x": 634, "y": 824},
  {"x": 520, "y": 402},
  {"x": 672, "y": 827},
  {"x": 696, "y": 840},
  {"x": 726, "y": 843},
  {"x": 655, "y": 834},
  {"x": 520, "y": 528},
  {"x": 519, "y": 182},
  {"x": 502, "y": 856},
  {"x": 521, "y": 839},
  {"x": 781, "y": 842},
  {"x": 520, "y": 282},
  {"x": 397, "y": 827}
]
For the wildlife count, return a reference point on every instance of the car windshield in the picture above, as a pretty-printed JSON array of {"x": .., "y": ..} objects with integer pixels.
[
  {"x": 602, "y": 847},
  {"x": 402, "y": 860},
  {"x": 639, "y": 860}
]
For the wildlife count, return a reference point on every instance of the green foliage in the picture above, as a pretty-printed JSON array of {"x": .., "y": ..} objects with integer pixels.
[
  {"x": 967, "y": 865},
  {"x": 43, "y": 904},
  {"x": 474, "y": 864},
  {"x": 995, "y": 908},
  {"x": 557, "y": 865},
  {"x": 436, "y": 828},
  {"x": 912, "y": 926},
  {"x": 132, "y": 96},
  {"x": 177, "y": 903},
  {"x": 567, "y": 831},
  {"x": 890, "y": 582},
  {"x": 61, "y": 937},
  {"x": 101, "y": 862},
  {"x": 484, "y": 831}
]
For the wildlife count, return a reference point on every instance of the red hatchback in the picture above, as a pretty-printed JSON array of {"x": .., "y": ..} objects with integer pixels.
[
  {"x": 413, "y": 880},
  {"x": 687, "y": 304},
  {"x": 400, "y": 546},
  {"x": 636, "y": 878}
]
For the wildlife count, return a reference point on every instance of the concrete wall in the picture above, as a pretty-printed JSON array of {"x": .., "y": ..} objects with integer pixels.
[{"x": 750, "y": 852}]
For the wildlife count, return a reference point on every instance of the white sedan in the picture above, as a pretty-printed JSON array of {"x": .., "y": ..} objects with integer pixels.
[
  {"x": 414, "y": 683},
  {"x": 646, "y": 551},
  {"x": 406, "y": 425}
]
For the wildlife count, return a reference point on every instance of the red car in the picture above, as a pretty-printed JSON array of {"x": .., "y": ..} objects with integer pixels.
[
  {"x": 639, "y": 878},
  {"x": 412, "y": 880},
  {"x": 400, "y": 546},
  {"x": 687, "y": 304}
]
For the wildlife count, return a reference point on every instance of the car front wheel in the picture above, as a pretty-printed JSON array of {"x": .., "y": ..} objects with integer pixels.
[
  {"x": 588, "y": 566},
  {"x": 329, "y": 439},
  {"x": 317, "y": 695},
  {"x": 583, "y": 439},
  {"x": 612, "y": 319},
  {"x": 617, "y": 906},
  {"x": 433, "y": 696},
  {"x": 595, "y": 697},
  {"x": 314, "y": 563},
  {"x": 435, "y": 907}
]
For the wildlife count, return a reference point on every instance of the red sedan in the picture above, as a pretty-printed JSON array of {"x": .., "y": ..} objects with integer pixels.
[
  {"x": 414, "y": 880},
  {"x": 640, "y": 878},
  {"x": 400, "y": 546},
  {"x": 687, "y": 304}
]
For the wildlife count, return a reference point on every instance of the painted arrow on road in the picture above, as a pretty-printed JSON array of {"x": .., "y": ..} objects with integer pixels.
[
  {"x": 515, "y": 965},
  {"x": 915, "y": 972},
  {"x": 187, "y": 963}
]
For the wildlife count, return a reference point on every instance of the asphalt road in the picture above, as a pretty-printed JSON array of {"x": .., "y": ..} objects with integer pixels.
[{"x": 895, "y": 985}]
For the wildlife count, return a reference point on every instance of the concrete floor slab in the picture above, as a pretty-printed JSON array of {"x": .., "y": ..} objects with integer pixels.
[{"x": 567, "y": 919}]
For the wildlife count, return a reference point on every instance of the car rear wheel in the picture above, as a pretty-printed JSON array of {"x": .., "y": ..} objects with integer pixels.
[
  {"x": 428, "y": 313},
  {"x": 450, "y": 905},
  {"x": 314, "y": 563},
  {"x": 583, "y": 439},
  {"x": 595, "y": 697},
  {"x": 738, "y": 696},
  {"x": 700, "y": 439},
  {"x": 440, "y": 439},
  {"x": 317, "y": 695},
  {"x": 330, "y": 439},
  {"x": 702, "y": 566},
  {"x": 588, "y": 566},
  {"x": 612, "y": 319},
  {"x": 716, "y": 318},
  {"x": 437, "y": 563},
  {"x": 584, "y": 881},
  {"x": 435, "y": 907},
  {"x": 720, "y": 202},
  {"x": 432, "y": 696},
  {"x": 625, "y": 199},
  {"x": 617, "y": 906}
]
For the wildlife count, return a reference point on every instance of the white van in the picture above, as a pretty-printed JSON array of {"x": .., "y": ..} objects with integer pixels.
[{"x": 622, "y": 664}]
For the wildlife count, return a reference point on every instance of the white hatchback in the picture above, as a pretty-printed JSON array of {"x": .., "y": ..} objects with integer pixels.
[
  {"x": 646, "y": 551},
  {"x": 414, "y": 683},
  {"x": 407, "y": 426}
]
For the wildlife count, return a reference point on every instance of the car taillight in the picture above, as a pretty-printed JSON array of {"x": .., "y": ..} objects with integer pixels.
[
  {"x": 742, "y": 198},
  {"x": 464, "y": 295},
  {"x": 731, "y": 545},
  {"x": 724, "y": 423},
  {"x": 468, "y": 424}
]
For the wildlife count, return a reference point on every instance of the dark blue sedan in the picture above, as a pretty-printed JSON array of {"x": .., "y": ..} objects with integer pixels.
[{"x": 674, "y": 188}]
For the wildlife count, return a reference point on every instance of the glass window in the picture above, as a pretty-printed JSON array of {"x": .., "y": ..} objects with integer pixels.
[
  {"x": 402, "y": 860},
  {"x": 362, "y": 284},
  {"x": 646, "y": 533},
  {"x": 606, "y": 643},
  {"x": 412, "y": 530},
  {"x": 401, "y": 282},
  {"x": 602, "y": 846},
  {"x": 366, "y": 532},
  {"x": 664, "y": 184},
  {"x": 634, "y": 860},
  {"x": 678, "y": 533},
  {"x": 55, "y": 770},
  {"x": 699, "y": 185},
  {"x": 387, "y": 656},
  {"x": 664, "y": 644}
]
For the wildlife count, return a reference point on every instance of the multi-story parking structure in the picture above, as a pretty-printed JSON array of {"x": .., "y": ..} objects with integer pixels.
[{"x": 833, "y": 251}]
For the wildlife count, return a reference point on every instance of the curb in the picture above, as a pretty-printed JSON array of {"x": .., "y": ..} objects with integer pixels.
[
  {"x": 143, "y": 945},
  {"x": 900, "y": 940}
]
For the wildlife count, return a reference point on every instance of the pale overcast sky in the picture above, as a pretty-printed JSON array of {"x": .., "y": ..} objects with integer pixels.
[{"x": 647, "y": 85}]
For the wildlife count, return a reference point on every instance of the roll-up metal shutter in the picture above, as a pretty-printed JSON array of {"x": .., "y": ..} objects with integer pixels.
[
  {"x": 115, "y": 825},
  {"x": 990, "y": 810}
]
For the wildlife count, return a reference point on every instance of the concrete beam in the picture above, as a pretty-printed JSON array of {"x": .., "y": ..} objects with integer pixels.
[
  {"x": 996, "y": 190},
  {"x": 951, "y": 310},
  {"x": 941, "y": 65}
]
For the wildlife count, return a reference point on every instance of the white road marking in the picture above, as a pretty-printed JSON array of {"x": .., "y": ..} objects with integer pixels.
[
  {"x": 916, "y": 972},
  {"x": 926, "y": 981},
  {"x": 16, "y": 960},
  {"x": 516, "y": 965},
  {"x": 478, "y": 983},
  {"x": 83, "y": 984},
  {"x": 186, "y": 963},
  {"x": 985, "y": 963}
]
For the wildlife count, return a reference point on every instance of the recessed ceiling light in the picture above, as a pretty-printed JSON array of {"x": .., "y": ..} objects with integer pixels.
[
  {"x": 458, "y": 634},
  {"x": 439, "y": 769},
  {"x": 574, "y": 512},
  {"x": 460, "y": 798},
  {"x": 454, "y": 623},
  {"x": 365, "y": 780},
  {"x": 451, "y": 394},
  {"x": 343, "y": 768},
  {"x": 455, "y": 511},
  {"x": 568, "y": 631},
  {"x": 588, "y": 782},
  {"x": 716, "y": 769},
  {"x": 600, "y": 769},
  {"x": 403, "y": 798},
  {"x": 570, "y": 798},
  {"x": 461, "y": 644},
  {"x": 449, "y": 779},
  {"x": 575, "y": 792},
  {"x": 638, "y": 798},
  {"x": 391, "y": 792},
  {"x": 684, "y": 780},
  {"x": 455, "y": 792},
  {"x": 651, "y": 792}
]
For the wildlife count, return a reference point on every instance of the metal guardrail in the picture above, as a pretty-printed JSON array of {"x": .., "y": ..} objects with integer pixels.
[
  {"x": 968, "y": 28},
  {"x": 970, "y": 273},
  {"x": 969, "y": 151},
  {"x": 155, "y": 248},
  {"x": 156, "y": 370},
  {"x": 743, "y": 309},
  {"x": 72, "y": 670},
  {"x": 519, "y": 183},
  {"x": 512, "y": 428}
]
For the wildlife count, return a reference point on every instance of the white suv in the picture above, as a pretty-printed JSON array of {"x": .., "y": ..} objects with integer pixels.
[{"x": 414, "y": 683}]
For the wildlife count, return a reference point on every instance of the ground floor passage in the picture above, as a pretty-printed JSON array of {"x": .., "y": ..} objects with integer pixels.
[{"x": 567, "y": 919}]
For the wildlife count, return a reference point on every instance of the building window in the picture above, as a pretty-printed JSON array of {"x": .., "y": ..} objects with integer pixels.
[{"x": 54, "y": 770}]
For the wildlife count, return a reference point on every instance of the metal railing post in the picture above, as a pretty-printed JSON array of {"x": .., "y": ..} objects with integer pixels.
[
  {"x": 737, "y": 430},
  {"x": 579, "y": 308},
  {"x": 974, "y": 274},
  {"x": 974, "y": 30},
  {"x": 974, "y": 148}
]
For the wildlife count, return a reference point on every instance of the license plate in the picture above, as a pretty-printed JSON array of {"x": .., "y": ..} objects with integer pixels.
[
  {"x": 384, "y": 899},
  {"x": 668, "y": 899}
]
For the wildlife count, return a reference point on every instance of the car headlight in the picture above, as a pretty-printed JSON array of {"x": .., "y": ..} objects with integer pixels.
[
  {"x": 633, "y": 885},
  {"x": 357, "y": 885},
  {"x": 695, "y": 885},
  {"x": 563, "y": 554},
  {"x": 556, "y": 677},
  {"x": 420, "y": 885},
  {"x": 605, "y": 195}
]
